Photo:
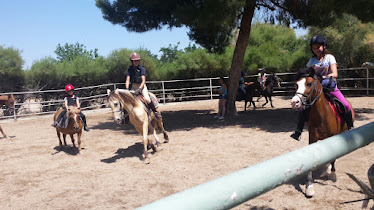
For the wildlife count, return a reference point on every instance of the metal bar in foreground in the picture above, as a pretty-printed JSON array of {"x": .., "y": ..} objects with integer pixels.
[{"x": 240, "y": 186}]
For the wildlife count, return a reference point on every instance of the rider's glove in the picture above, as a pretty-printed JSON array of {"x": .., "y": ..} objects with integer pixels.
[{"x": 138, "y": 91}]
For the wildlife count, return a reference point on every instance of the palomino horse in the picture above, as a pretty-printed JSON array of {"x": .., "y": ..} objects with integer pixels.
[
  {"x": 74, "y": 126},
  {"x": 322, "y": 121},
  {"x": 138, "y": 115}
]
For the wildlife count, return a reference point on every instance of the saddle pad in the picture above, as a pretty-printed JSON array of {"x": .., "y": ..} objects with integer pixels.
[
  {"x": 63, "y": 123},
  {"x": 336, "y": 111}
]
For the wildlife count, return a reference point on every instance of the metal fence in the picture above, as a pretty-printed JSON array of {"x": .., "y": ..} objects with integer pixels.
[{"x": 353, "y": 81}]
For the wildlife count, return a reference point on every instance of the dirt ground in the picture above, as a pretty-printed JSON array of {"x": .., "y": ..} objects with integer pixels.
[{"x": 35, "y": 173}]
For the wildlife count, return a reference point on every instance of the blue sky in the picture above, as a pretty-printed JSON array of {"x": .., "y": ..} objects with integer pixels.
[{"x": 37, "y": 26}]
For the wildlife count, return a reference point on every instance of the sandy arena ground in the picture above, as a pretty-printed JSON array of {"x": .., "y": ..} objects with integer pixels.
[{"x": 109, "y": 173}]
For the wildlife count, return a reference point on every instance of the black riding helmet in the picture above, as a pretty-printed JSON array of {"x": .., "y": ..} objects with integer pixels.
[{"x": 318, "y": 39}]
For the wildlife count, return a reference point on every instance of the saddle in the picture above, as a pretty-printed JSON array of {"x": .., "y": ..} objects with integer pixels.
[{"x": 145, "y": 106}]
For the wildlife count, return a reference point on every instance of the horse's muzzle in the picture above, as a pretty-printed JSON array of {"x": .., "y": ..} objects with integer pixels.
[
  {"x": 296, "y": 102},
  {"x": 120, "y": 121}
]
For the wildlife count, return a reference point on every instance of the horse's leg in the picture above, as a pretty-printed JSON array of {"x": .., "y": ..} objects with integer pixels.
[
  {"x": 156, "y": 147},
  {"x": 332, "y": 175},
  {"x": 245, "y": 105},
  {"x": 266, "y": 98},
  {"x": 271, "y": 102},
  {"x": 309, "y": 190},
  {"x": 79, "y": 142},
  {"x": 3, "y": 132},
  {"x": 161, "y": 125},
  {"x": 72, "y": 139},
  {"x": 64, "y": 136},
  {"x": 59, "y": 137},
  {"x": 145, "y": 143}
]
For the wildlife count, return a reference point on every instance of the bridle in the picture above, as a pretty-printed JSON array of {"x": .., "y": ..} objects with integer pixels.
[{"x": 308, "y": 97}]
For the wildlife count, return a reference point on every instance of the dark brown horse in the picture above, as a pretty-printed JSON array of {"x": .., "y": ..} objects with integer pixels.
[
  {"x": 322, "y": 121},
  {"x": 74, "y": 126}
]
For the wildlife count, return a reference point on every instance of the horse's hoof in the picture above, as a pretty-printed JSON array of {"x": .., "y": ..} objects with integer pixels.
[
  {"x": 332, "y": 176},
  {"x": 309, "y": 192},
  {"x": 147, "y": 160}
]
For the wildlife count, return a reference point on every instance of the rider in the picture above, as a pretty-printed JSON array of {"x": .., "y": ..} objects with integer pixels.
[
  {"x": 261, "y": 77},
  {"x": 241, "y": 83},
  {"x": 71, "y": 100},
  {"x": 136, "y": 75},
  {"x": 325, "y": 65}
]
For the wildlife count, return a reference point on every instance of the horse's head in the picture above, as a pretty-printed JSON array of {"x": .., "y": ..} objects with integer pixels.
[
  {"x": 275, "y": 80},
  {"x": 11, "y": 101},
  {"x": 115, "y": 105},
  {"x": 308, "y": 89},
  {"x": 73, "y": 114}
]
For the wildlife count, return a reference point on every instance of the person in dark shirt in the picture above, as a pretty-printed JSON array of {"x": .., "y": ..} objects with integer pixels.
[{"x": 136, "y": 76}]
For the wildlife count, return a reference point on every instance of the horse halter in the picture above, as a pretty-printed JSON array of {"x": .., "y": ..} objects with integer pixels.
[{"x": 304, "y": 101}]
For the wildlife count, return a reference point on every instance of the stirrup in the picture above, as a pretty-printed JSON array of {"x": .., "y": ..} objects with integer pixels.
[{"x": 158, "y": 115}]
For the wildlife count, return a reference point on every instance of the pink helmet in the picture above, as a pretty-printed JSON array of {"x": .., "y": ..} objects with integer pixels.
[
  {"x": 134, "y": 56},
  {"x": 69, "y": 87}
]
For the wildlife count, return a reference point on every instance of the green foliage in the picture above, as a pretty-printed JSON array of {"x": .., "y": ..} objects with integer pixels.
[
  {"x": 273, "y": 47},
  {"x": 11, "y": 74},
  {"x": 43, "y": 74},
  {"x": 69, "y": 52},
  {"x": 348, "y": 40}
]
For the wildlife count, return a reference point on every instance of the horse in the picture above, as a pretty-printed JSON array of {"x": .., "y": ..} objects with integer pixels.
[
  {"x": 272, "y": 81},
  {"x": 247, "y": 96},
  {"x": 8, "y": 101},
  {"x": 322, "y": 121},
  {"x": 4, "y": 135},
  {"x": 140, "y": 117},
  {"x": 74, "y": 126}
]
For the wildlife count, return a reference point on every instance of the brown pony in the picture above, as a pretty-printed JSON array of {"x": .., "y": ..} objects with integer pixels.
[
  {"x": 7, "y": 100},
  {"x": 139, "y": 117},
  {"x": 322, "y": 121},
  {"x": 1, "y": 129},
  {"x": 74, "y": 126}
]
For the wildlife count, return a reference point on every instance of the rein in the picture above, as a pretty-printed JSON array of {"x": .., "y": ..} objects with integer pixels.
[{"x": 308, "y": 97}]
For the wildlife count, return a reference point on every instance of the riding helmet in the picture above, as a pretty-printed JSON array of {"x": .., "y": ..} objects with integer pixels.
[
  {"x": 318, "y": 39},
  {"x": 69, "y": 87},
  {"x": 134, "y": 56},
  {"x": 242, "y": 73}
]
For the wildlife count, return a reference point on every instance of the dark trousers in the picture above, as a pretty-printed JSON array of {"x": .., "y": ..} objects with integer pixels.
[{"x": 63, "y": 113}]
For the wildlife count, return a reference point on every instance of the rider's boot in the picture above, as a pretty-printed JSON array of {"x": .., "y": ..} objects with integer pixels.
[
  {"x": 348, "y": 119},
  {"x": 84, "y": 122},
  {"x": 60, "y": 116},
  {"x": 300, "y": 125},
  {"x": 153, "y": 108}
]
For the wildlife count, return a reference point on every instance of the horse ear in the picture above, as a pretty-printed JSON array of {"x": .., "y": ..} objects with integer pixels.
[
  {"x": 108, "y": 91},
  {"x": 312, "y": 72}
]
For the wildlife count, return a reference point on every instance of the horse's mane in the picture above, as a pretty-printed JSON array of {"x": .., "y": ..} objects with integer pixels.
[{"x": 124, "y": 96}]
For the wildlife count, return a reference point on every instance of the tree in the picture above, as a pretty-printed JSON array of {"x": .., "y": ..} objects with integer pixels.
[
  {"x": 212, "y": 21},
  {"x": 69, "y": 52},
  {"x": 11, "y": 73}
]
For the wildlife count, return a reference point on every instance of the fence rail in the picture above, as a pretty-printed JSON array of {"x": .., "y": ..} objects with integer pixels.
[
  {"x": 240, "y": 186},
  {"x": 353, "y": 81}
]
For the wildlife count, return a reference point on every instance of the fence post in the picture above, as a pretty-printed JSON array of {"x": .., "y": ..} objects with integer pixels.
[
  {"x": 114, "y": 86},
  {"x": 163, "y": 91},
  {"x": 14, "y": 113},
  {"x": 367, "y": 81},
  {"x": 211, "y": 88}
]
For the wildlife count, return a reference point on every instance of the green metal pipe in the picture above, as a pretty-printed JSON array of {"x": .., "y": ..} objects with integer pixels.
[{"x": 240, "y": 186}]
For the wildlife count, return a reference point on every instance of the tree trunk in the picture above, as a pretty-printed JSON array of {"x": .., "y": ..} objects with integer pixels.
[{"x": 238, "y": 57}]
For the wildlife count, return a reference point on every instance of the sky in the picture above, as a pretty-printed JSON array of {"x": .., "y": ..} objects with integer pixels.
[{"x": 36, "y": 27}]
